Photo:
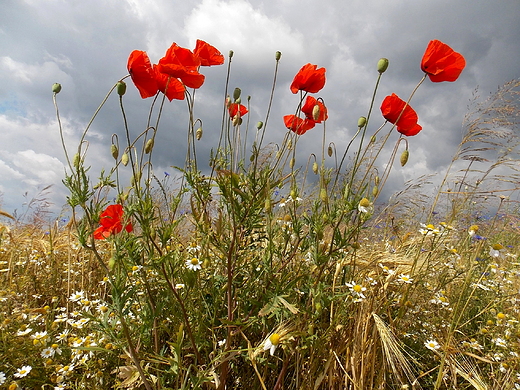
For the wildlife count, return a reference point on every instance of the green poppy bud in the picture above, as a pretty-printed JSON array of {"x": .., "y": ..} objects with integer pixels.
[
  {"x": 289, "y": 144},
  {"x": 375, "y": 191},
  {"x": 267, "y": 205},
  {"x": 231, "y": 54},
  {"x": 236, "y": 94},
  {"x": 376, "y": 180},
  {"x": 259, "y": 125},
  {"x": 330, "y": 151},
  {"x": 382, "y": 65},
  {"x": 198, "y": 133},
  {"x": 76, "y": 160},
  {"x": 362, "y": 121},
  {"x": 278, "y": 55},
  {"x": 124, "y": 159},
  {"x": 114, "y": 151},
  {"x": 293, "y": 194},
  {"x": 56, "y": 87},
  {"x": 315, "y": 168},
  {"x": 291, "y": 163},
  {"x": 111, "y": 263},
  {"x": 323, "y": 195},
  {"x": 404, "y": 157},
  {"x": 373, "y": 139},
  {"x": 121, "y": 88},
  {"x": 238, "y": 100},
  {"x": 148, "y": 146}
]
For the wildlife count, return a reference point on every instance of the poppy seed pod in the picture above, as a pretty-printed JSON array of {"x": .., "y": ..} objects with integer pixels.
[
  {"x": 278, "y": 55},
  {"x": 315, "y": 168},
  {"x": 114, "y": 151},
  {"x": 56, "y": 87},
  {"x": 404, "y": 157},
  {"x": 316, "y": 112},
  {"x": 382, "y": 65},
  {"x": 236, "y": 94},
  {"x": 259, "y": 125},
  {"x": 124, "y": 159},
  {"x": 198, "y": 133},
  {"x": 121, "y": 88},
  {"x": 362, "y": 121},
  {"x": 148, "y": 146}
]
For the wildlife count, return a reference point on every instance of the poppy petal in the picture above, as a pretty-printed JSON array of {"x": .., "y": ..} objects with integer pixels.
[
  {"x": 142, "y": 73},
  {"x": 309, "y": 78},
  {"x": 208, "y": 54},
  {"x": 441, "y": 62}
]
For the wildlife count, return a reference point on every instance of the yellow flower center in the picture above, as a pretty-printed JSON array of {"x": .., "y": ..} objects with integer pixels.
[
  {"x": 497, "y": 247},
  {"x": 364, "y": 202},
  {"x": 357, "y": 288},
  {"x": 194, "y": 261},
  {"x": 274, "y": 338}
]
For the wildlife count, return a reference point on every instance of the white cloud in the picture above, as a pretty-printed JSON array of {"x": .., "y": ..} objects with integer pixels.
[{"x": 236, "y": 25}]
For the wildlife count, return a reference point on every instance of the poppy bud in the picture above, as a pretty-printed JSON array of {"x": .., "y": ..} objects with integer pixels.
[
  {"x": 329, "y": 151},
  {"x": 278, "y": 55},
  {"x": 323, "y": 195},
  {"x": 362, "y": 121},
  {"x": 291, "y": 163},
  {"x": 56, "y": 87},
  {"x": 238, "y": 100},
  {"x": 315, "y": 168},
  {"x": 375, "y": 191},
  {"x": 237, "y": 120},
  {"x": 373, "y": 139},
  {"x": 404, "y": 157},
  {"x": 293, "y": 194},
  {"x": 114, "y": 151},
  {"x": 76, "y": 160},
  {"x": 198, "y": 133},
  {"x": 267, "y": 205},
  {"x": 121, "y": 88},
  {"x": 148, "y": 146},
  {"x": 382, "y": 65},
  {"x": 124, "y": 159},
  {"x": 230, "y": 53},
  {"x": 236, "y": 94},
  {"x": 376, "y": 180},
  {"x": 259, "y": 125},
  {"x": 289, "y": 144},
  {"x": 316, "y": 112}
]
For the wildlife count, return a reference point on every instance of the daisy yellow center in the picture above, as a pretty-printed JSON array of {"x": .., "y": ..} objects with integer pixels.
[
  {"x": 497, "y": 247},
  {"x": 357, "y": 288},
  {"x": 501, "y": 316},
  {"x": 405, "y": 278},
  {"x": 430, "y": 226},
  {"x": 274, "y": 338},
  {"x": 473, "y": 228},
  {"x": 194, "y": 261},
  {"x": 364, "y": 202}
]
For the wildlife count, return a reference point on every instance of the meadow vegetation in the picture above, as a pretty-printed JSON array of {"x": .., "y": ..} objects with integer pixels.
[{"x": 257, "y": 273}]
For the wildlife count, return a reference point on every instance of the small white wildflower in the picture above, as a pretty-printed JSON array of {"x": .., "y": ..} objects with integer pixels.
[
  {"x": 48, "y": 353},
  {"x": 77, "y": 296},
  {"x": 432, "y": 344},
  {"x": 271, "y": 343},
  {"x": 23, "y": 372},
  {"x": 357, "y": 291},
  {"x": 193, "y": 264},
  {"x": 23, "y": 332},
  {"x": 500, "y": 342},
  {"x": 2, "y": 378},
  {"x": 405, "y": 278}
]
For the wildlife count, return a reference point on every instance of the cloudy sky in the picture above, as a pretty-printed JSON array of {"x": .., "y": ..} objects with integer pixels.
[{"x": 84, "y": 45}]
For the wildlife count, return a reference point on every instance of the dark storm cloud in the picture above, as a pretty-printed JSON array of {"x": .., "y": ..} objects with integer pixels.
[{"x": 85, "y": 46}]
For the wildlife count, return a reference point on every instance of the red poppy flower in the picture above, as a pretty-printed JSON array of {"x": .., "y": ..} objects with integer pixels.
[
  {"x": 142, "y": 73},
  {"x": 235, "y": 108},
  {"x": 392, "y": 107},
  {"x": 297, "y": 124},
  {"x": 181, "y": 63},
  {"x": 308, "y": 109},
  {"x": 110, "y": 221},
  {"x": 208, "y": 55},
  {"x": 441, "y": 63},
  {"x": 309, "y": 78},
  {"x": 170, "y": 86}
]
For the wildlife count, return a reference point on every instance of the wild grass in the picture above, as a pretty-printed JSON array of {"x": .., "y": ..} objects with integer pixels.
[{"x": 258, "y": 288}]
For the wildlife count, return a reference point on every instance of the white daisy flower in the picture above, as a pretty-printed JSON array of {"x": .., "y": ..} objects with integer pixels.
[{"x": 23, "y": 372}]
